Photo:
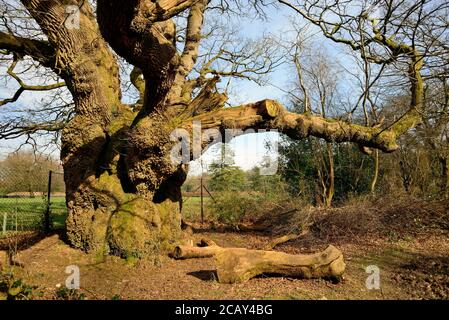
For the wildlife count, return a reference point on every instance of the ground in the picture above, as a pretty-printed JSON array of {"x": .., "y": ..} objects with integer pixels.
[
  {"x": 405, "y": 272},
  {"x": 407, "y": 239}
]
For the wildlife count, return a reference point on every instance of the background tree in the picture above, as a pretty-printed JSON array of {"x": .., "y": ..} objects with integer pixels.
[
  {"x": 224, "y": 174},
  {"x": 316, "y": 93},
  {"x": 27, "y": 172}
]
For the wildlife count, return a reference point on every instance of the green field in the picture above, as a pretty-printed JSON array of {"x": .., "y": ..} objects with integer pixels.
[
  {"x": 191, "y": 208},
  {"x": 24, "y": 214}
]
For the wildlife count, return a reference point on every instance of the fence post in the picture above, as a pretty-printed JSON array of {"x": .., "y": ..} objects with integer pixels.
[
  {"x": 5, "y": 220},
  {"x": 202, "y": 203},
  {"x": 47, "y": 212}
]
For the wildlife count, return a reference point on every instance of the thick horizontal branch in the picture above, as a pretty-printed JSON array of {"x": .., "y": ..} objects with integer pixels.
[
  {"x": 269, "y": 114},
  {"x": 39, "y": 50}
]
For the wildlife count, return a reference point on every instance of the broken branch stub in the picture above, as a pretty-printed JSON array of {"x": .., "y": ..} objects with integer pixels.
[{"x": 280, "y": 240}]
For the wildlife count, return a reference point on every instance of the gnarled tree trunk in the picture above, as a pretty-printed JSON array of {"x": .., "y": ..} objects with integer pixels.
[{"x": 123, "y": 191}]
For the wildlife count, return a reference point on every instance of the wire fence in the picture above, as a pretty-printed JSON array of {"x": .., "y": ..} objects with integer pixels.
[{"x": 31, "y": 201}]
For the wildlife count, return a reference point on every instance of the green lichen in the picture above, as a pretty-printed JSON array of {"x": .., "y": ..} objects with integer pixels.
[
  {"x": 122, "y": 120},
  {"x": 408, "y": 121},
  {"x": 110, "y": 186}
]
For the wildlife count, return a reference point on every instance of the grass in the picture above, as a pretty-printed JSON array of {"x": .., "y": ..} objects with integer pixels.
[
  {"x": 27, "y": 213},
  {"x": 24, "y": 214},
  {"x": 191, "y": 208}
]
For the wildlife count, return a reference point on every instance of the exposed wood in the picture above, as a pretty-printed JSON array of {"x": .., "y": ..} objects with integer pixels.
[
  {"x": 235, "y": 265},
  {"x": 191, "y": 252},
  {"x": 206, "y": 100}
]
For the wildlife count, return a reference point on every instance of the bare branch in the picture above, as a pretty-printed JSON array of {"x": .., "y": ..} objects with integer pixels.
[{"x": 24, "y": 87}]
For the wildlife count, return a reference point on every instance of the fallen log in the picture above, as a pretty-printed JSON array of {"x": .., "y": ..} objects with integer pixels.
[
  {"x": 236, "y": 265},
  {"x": 251, "y": 227},
  {"x": 191, "y": 252},
  {"x": 204, "y": 249},
  {"x": 206, "y": 243}
]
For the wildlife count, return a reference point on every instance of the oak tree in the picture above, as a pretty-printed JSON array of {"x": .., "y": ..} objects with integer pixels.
[{"x": 123, "y": 188}]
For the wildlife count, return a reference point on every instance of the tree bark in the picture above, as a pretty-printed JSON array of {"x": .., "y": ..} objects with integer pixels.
[
  {"x": 122, "y": 190},
  {"x": 444, "y": 162},
  {"x": 239, "y": 265},
  {"x": 191, "y": 252},
  {"x": 236, "y": 265}
]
